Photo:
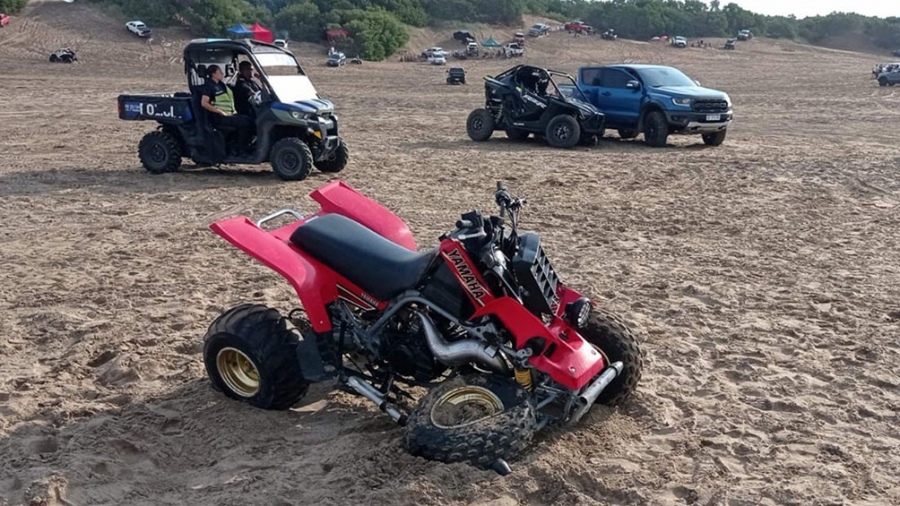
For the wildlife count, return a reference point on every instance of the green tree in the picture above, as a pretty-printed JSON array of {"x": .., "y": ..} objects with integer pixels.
[
  {"x": 302, "y": 21},
  {"x": 377, "y": 33},
  {"x": 12, "y": 6}
]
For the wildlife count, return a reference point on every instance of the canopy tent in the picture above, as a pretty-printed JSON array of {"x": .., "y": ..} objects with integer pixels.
[
  {"x": 240, "y": 30},
  {"x": 261, "y": 33},
  {"x": 490, "y": 42}
]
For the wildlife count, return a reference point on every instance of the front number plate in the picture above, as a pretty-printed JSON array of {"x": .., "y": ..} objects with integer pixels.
[{"x": 713, "y": 117}]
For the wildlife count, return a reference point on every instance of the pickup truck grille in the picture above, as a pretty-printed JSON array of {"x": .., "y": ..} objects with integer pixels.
[{"x": 709, "y": 105}]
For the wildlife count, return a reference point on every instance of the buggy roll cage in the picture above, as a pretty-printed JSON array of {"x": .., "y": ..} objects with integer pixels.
[{"x": 550, "y": 73}]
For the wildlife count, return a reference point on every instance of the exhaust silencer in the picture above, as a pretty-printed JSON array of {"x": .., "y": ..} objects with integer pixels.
[
  {"x": 370, "y": 392},
  {"x": 592, "y": 391}
]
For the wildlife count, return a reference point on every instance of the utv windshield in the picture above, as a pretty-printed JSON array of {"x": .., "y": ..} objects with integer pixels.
[
  {"x": 287, "y": 78},
  {"x": 659, "y": 77}
]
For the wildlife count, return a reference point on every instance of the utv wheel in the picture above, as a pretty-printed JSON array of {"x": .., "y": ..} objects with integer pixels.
[
  {"x": 291, "y": 159},
  {"x": 563, "y": 131},
  {"x": 476, "y": 418},
  {"x": 159, "y": 152},
  {"x": 517, "y": 134},
  {"x": 608, "y": 333},
  {"x": 627, "y": 134},
  {"x": 656, "y": 129},
  {"x": 250, "y": 355},
  {"x": 480, "y": 125},
  {"x": 337, "y": 161},
  {"x": 714, "y": 139}
]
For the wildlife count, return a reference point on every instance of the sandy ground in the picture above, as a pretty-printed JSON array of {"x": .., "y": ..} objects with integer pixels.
[{"x": 762, "y": 275}]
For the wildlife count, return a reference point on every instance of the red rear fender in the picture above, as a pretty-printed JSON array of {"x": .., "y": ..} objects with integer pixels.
[
  {"x": 338, "y": 197},
  {"x": 278, "y": 255}
]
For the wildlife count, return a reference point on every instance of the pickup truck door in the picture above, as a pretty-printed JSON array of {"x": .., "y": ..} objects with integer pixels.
[{"x": 621, "y": 104}]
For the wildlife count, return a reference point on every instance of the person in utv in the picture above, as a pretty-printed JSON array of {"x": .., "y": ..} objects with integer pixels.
[
  {"x": 245, "y": 88},
  {"x": 218, "y": 99}
]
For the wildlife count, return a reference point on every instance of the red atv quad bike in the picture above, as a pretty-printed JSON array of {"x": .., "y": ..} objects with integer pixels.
[{"x": 482, "y": 322}]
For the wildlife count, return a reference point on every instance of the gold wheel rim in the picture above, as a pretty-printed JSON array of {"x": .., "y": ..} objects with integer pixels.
[
  {"x": 466, "y": 400},
  {"x": 238, "y": 372}
]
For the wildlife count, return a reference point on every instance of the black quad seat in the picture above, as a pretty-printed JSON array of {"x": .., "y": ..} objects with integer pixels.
[{"x": 377, "y": 265}]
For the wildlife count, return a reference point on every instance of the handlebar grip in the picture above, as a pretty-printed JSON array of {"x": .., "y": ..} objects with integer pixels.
[{"x": 464, "y": 224}]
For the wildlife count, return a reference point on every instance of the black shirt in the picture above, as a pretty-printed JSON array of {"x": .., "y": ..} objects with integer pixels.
[{"x": 243, "y": 92}]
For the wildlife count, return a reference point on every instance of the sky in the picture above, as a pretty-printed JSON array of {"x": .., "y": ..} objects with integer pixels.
[{"x": 804, "y": 8}]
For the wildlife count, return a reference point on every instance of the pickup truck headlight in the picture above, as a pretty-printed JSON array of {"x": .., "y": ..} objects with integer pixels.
[{"x": 684, "y": 102}]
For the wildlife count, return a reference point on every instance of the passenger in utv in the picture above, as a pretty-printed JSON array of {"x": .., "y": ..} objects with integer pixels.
[{"x": 218, "y": 99}]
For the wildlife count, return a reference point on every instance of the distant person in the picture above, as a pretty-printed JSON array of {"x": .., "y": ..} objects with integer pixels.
[
  {"x": 245, "y": 88},
  {"x": 218, "y": 99}
]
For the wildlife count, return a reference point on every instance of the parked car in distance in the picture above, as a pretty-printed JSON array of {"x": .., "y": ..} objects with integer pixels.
[
  {"x": 578, "y": 27},
  {"x": 539, "y": 29},
  {"x": 434, "y": 50},
  {"x": 609, "y": 35},
  {"x": 337, "y": 59},
  {"x": 437, "y": 59},
  {"x": 744, "y": 35},
  {"x": 657, "y": 101},
  {"x": 519, "y": 38},
  {"x": 280, "y": 43},
  {"x": 729, "y": 44},
  {"x": 889, "y": 77},
  {"x": 679, "y": 42},
  {"x": 513, "y": 49},
  {"x": 472, "y": 49},
  {"x": 456, "y": 75},
  {"x": 138, "y": 28},
  {"x": 4, "y": 19}
]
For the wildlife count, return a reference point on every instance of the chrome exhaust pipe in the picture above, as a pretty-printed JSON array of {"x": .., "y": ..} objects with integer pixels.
[
  {"x": 460, "y": 352},
  {"x": 590, "y": 393},
  {"x": 370, "y": 392}
]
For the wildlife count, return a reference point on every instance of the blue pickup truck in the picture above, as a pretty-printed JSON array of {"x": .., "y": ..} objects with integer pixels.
[{"x": 657, "y": 101}]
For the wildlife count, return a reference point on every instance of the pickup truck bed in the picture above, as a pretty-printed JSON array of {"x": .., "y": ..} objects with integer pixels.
[{"x": 166, "y": 108}]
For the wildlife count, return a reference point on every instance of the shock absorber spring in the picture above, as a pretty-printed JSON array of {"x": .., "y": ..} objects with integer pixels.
[{"x": 523, "y": 377}]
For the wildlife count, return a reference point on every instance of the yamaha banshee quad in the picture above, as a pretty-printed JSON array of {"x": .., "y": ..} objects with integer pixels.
[
  {"x": 295, "y": 129},
  {"x": 525, "y": 100},
  {"x": 482, "y": 321}
]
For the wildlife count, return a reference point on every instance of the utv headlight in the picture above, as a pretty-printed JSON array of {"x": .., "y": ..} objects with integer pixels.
[
  {"x": 299, "y": 115},
  {"x": 684, "y": 102}
]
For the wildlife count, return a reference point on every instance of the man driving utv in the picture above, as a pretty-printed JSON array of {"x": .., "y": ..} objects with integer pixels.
[
  {"x": 218, "y": 99},
  {"x": 244, "y": 89}
]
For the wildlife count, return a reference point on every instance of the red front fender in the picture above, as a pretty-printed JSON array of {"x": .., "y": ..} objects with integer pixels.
[
  {"x": 572, "y": 362},
  {"x": 271, "y": 249}
]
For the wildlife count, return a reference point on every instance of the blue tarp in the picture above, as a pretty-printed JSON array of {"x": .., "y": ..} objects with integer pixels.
[{"x": 240, "y": 29}]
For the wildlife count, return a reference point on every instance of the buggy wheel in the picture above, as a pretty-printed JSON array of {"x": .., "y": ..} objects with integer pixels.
[
  {"x": 608, "y": 333},
  {"x": 563, "y": 131},
  {"x": 475, "y": 418},
  {"x": 337, "y": 161},
  {"x": 656, "y": 129},
  {"x": 159, "y": 152},
  {"x": 291, "y": 159},
  {"x": 250, "y": 355},
  {"x": 715, "y": 138},
  {"x": 516, "y": 134},
  {"x": 480, "y": 125},
  {"x": 54, "y": 59},
  {"x": 627, "y": 134}
]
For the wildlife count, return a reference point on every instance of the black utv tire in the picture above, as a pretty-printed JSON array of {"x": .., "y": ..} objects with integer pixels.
[
  {"x": 503, "y": 435},
  {"x": 517, "y": 134},
  {"x": 715, "y": 138},
  {"x": 627, "y": 134},
  {"x": 480, "y": 125},
  {"x": 291, "y": 159},
  {"x": 159, "y": 152},
  {"x": 616, "y": 341},
  {"x": 656, "y": 129},
  {"x": 261, "y": 336},
  {"x": 563, "y": 131},
  {"x": 338, "y": 159}
]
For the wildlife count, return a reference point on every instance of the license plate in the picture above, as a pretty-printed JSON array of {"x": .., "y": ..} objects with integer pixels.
[{"x": 713, "y": 117}]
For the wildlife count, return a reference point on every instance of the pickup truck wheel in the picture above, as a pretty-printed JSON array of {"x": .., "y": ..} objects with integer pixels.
[
  {"x": 563, "y": 131},
  {"x": 480, "y": 125},
  {"x": 159, "y": 152},
  {"x": 656, "y": 129},
  {"x": 627, "y": 134},
  {"x": 715, "y": 138},
  {"x": 516, "y": 134},
  {"x": 882, "y": 81},
  {"x": 291, "y": 159}
]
